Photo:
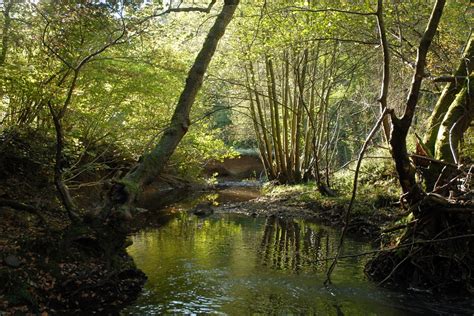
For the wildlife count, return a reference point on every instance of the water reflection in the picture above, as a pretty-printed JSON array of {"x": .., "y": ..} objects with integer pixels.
[
  {"x": 241, "y": 265},
  {"x": 294, "y": 245},
  {"x": 232, "y": 264}
]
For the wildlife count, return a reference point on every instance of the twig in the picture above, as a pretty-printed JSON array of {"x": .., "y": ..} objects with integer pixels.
[
  {"x": 434, "y": 160},
  {"x": 438, "y": 189},
  {"x": 354, "y": 191},
  {"x": 371, "y": 252},
  {"x": 396, "y": 267},
  {"x": 302, "y": 9}
]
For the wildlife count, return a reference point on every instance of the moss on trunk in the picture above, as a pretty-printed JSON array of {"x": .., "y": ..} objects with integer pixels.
[{"x": 465, "y": 67}]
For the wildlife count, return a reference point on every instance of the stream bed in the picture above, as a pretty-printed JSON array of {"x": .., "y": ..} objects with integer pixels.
[{"x": 238, "y": 265}]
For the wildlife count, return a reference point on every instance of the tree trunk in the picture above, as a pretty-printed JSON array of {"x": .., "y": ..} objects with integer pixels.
[
  {"x": 6, "y": 30},
  {"x": 465, "y": 68},
  {"x": 435, "y": 251},
  {"x": 274, "y": 117},
  {"x": 455, "y": 123},
  {"x": 444, "y": 130},
  {"x": 400, "y": 126},
  {"x": 386, "y": 70},
  {"x": 258, "y": 128},
  {"x": 271, "y": 172},
  {"x": 154, "y": 162}
]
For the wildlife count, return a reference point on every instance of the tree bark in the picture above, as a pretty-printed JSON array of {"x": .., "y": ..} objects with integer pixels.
[
  {"x": 437, "y": 141},
  {"x": 61, "y": 187},
  {"x": 258, "y": 128},
  {"x": 279, "y": 145},
  {"x": 262, "y": 124},
  {"x": 272, "y": 102},
  {"x": 386, "y": 70},
  {"x": 6, "y": 30},
  {"x": 456, "y": 121}
]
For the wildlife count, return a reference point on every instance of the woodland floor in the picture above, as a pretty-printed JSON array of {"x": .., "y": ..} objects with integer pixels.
[
  {"x": 46, "y": 265},
  {"x": 53, "y": 269}
]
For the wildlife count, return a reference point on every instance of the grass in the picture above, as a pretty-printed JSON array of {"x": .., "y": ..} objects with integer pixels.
[{"x": 377, "y": 187}]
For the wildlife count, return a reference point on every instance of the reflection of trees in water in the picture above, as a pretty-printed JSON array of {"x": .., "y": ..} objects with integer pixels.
[{"x": 293, "y": 245}]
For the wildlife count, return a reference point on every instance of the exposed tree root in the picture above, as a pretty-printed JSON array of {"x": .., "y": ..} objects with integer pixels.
[
  {"x": 23, "y": 207},
  {"x": 434, "y": 254}
]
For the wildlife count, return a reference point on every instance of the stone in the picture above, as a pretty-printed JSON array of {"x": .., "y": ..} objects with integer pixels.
[{"x": 12, "y": 261}]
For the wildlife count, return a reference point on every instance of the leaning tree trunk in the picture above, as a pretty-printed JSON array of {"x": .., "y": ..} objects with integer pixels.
[{"x": 152, "y": 164}]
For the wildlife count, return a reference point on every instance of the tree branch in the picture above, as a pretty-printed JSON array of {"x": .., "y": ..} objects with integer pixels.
[
  {"x": 386, "y": 69},
  {"x": 423, "y": 48},
  {"x": 178, "y": 10},
  {"x": 302, "y": 9}
]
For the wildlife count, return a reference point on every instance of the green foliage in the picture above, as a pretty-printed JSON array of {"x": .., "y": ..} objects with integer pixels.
[
  {"x": 197, "y": 148},
  {"x": 377, "y": 178},
  {"x": 123, "y": 98},
  {"x": 377, "y": 186}
]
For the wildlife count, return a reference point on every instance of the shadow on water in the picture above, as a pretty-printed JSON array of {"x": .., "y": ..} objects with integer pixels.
[{"x": 233, "y": 264}]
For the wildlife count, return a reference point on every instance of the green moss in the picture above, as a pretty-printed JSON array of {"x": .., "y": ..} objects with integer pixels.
[{"x": 131, "y": 186}]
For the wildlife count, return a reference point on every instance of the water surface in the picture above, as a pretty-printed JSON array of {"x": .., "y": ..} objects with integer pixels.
[{"x": 237, "y": 265}]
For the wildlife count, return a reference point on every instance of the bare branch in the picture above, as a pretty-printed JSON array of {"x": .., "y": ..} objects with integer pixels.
[
  {"x": 103, "y": 48},
  {"x": 192, "y": 9},
  {"x": 48, "y": 47},
  {"x": 453, "y": 79},
  {"x": 302, "y": 9},
  {"x": 354, "y": 191},
  {"x": 178, "y": 10}
]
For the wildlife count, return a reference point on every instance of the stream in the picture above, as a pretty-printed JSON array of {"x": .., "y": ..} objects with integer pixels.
[{"x": 237, "y": 265}]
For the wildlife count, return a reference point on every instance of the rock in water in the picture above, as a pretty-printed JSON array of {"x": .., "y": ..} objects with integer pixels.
[
  {"x": 203, "y": 209},
  {"x": 12, "y": 261}
]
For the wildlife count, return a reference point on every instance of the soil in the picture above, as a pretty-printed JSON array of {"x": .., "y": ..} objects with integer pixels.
[
  {"x": 60, "y": 268},
  {"x": 244, "y": 166}
]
